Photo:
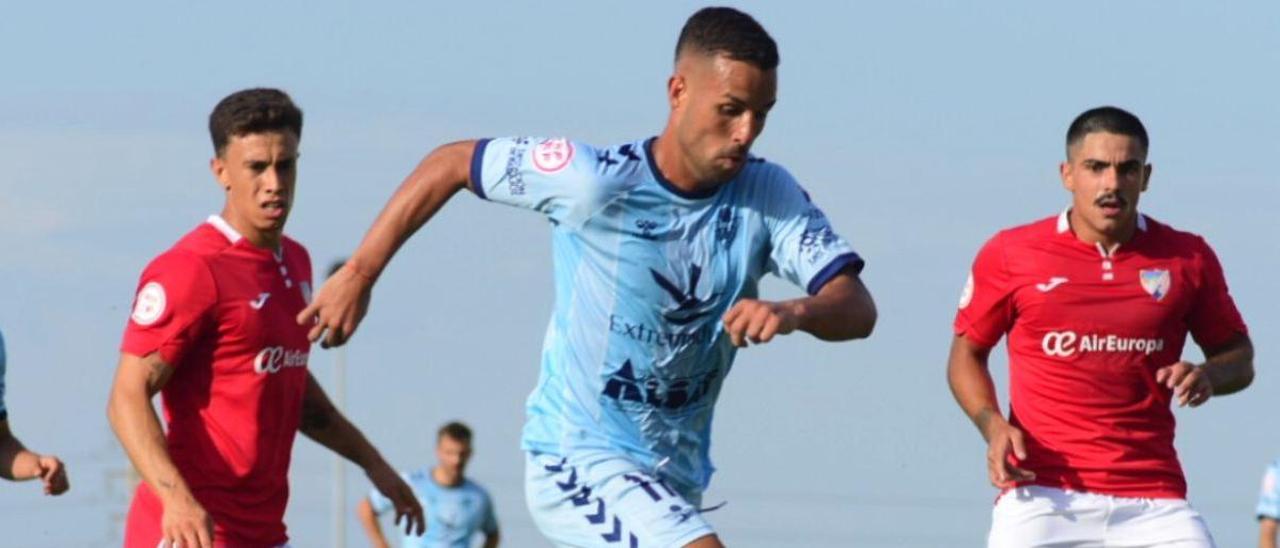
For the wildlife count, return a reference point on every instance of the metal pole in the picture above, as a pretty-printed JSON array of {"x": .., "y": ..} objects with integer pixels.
[{"x": 339, "y": 464}]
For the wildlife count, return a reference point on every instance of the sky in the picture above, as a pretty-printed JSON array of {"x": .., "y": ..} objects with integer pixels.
[{"x": 921, "y": 128}]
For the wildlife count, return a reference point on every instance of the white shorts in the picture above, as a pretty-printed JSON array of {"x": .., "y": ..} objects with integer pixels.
[
  {"x": 607, "y": 500},
  {"x": 1036, "y": 516}
]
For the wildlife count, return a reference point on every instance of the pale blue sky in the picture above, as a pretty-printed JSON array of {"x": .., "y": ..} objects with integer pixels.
[{"x": 920, "y": 127}]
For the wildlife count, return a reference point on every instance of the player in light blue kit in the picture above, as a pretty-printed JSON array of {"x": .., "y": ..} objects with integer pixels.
[
  {"x": 456, "y": 507},
  {"x": 1269, "y": 506},
  {"x": 659, "y": 245},
  {"x": 18, "y": 463}
]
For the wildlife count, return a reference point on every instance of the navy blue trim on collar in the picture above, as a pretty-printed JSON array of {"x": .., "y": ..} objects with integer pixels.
[
  {"x": 667, "y": 184},
  {"x": 477, "y": 166},
  {"x": 833, "y": 268}
]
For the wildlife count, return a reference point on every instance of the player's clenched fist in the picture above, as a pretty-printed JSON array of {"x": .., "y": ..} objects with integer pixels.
[
  {"x": 759, "y": 321},
  {"x": 1189, "y": 383}
]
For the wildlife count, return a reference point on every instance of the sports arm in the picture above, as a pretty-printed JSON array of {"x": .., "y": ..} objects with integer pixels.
[
  {"x": 369, "y": 520},
  {"x": 136, "y": 425},
  {"x": 971, "y": 384},
  {"x": 491, "y": 539},
  {"x": 1230, "y": 366},
  {"x": 1266, "y": 533},
  {"x": 325, "y": 425},
  {"x": 1227, "y": 369},
  {"x": 342, "y": 302},
  {"x": 18, "y": 463},
  {"x": 841, "y": 310}
]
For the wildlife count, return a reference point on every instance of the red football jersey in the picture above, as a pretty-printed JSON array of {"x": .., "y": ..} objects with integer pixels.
[
  {"x": 222, "y": 313},
  {"x": 1087, "y": 331}
]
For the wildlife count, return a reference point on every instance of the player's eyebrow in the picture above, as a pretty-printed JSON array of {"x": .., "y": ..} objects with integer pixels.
[{"x": 742, "y": 102}]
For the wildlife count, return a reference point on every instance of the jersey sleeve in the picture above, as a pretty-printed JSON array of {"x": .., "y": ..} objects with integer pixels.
[
  {"x": 173, "y": 304},
  {"x": 489, "y": 523},
  {"x": 1269, "y": 497},
  {"x": 986, "y": 304},
  {"x": 804, "y": 248},
  {"x": 555, "y": 177},
  {"x": 1214, "y": 319}
]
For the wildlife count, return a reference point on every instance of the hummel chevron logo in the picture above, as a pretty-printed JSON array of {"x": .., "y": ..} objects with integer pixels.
[
  {"x": 688, "y": 306},
  {"x": 1052, "y": 283},
  {"x": 261, "y": 300}
]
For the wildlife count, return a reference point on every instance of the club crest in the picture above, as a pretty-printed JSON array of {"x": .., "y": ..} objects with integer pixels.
[{"x": 1155, "y": 282}]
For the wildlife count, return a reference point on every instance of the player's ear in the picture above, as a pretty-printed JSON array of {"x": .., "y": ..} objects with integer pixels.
[
  {"x": 676, "y": 88},
  {"x": 1064, "y": 172},
  {"x": 218, "y": 167},
  {"x": 1146, "y": 176}
]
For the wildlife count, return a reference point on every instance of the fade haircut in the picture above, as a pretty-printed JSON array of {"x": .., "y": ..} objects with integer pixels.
[
  {"x": 455, "y": 431},
  {"x": 1106, "y": 120},
  {"x": 256, "y": 110},
  {"x": 728, "y": 32}
]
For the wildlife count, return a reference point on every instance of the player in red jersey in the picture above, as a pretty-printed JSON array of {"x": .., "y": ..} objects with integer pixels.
[
  {"x": 213, "y": 329},
  {"x": 1096, "y": 304}
]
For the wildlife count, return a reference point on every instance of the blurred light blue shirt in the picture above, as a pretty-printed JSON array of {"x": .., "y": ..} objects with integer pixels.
[{"x": 454, "y": 514}]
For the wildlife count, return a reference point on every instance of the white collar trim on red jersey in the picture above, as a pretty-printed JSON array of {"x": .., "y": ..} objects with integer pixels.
[
  {"x": 1064, "y": 221},
  {"x": 225, "y": 228},
  {"x": 233, "y": 235}
]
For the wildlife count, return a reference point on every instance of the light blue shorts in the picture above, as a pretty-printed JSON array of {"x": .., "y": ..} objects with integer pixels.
[{"x": 607, "y": 500}]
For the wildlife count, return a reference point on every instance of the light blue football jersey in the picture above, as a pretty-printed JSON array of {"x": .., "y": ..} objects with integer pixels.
[
  {"x": 635, "y": 353},
  {"x": 454, "y": 514},
  {"x": 1269, "y": 497}
]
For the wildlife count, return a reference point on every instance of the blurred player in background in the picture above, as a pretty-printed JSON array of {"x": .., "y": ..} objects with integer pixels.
[{"x": 457, "y": 508}]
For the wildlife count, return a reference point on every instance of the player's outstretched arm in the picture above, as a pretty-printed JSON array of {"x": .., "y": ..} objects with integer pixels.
[
  {"x": 1266, "y": 533},
  {"x": 369, "y": 520},
  {"x": 324, "y": 424},
  {"x": 974, "y": 390},
  {"x": 1227, "y": 369},
  {"x": 841, "y": 310},
  {"x": 491, "y": 540},
  {"x": 137, "y": 427},
  {"x": 20, "y": 464},
  {"x": 343, "y": 300}
]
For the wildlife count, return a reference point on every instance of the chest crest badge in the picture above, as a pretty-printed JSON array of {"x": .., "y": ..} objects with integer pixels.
[{"x": 1156, "y": 282}]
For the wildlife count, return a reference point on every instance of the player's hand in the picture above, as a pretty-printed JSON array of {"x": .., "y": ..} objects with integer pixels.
[
  {"x": 186, "y": 524},
  {"x": 389, "y": 483},
  {"x": 1002, "y": 439},
  {"x": 53, "y": 473},
  {"x": 338, "y": 307},
  {"x": 1190, "y": 384},
  {"x": 757, "y": 322}
]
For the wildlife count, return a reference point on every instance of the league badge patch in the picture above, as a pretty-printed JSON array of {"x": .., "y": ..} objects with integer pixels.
[
  {"x": 1155, "y": 282},
  {"x": 552, "y": 155}
]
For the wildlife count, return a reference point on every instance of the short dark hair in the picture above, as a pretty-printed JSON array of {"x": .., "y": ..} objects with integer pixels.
[
  {"x": 1109, "y": 120},
  {"x": 731, "y": 33},
  {"x": 254, "y": 110},
  {"x": 456, "y": 431}
]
